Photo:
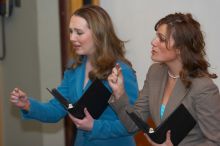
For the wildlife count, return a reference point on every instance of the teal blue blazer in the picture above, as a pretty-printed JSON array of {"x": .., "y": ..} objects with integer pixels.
[{"x": 107, "y": 130}]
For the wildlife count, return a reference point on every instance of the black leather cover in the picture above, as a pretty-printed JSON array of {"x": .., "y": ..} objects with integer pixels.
[
  {"x": 95, "y": 99},
  {"x": 180, "y": 122}
]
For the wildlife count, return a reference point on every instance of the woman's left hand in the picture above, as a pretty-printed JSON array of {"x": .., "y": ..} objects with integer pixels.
[
  {"x": 168, "y": 141},
  {"x": 86, "y": 123}
]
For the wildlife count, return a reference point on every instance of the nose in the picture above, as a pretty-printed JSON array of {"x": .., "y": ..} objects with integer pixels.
[
  {"x": 155, "y": 41},
  {"x": 72, "y": 37}
]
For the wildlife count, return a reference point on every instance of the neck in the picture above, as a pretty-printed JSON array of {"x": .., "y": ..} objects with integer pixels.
[
  {"x": 172, "y": 75},
  {"x": 174, "y": 68}
]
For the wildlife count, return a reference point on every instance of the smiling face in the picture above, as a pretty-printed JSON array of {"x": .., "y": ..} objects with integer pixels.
[
  {"x": 162, "y": 46},
  {"x": 81, "y": 36}
]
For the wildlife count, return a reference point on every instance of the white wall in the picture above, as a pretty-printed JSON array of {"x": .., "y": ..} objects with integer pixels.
[
  {"x": 32, "y": 63},
  {"x": 50, "y": 63},
  {"x": 1, "y": 107},
  {"x": 134, "y": 21}
]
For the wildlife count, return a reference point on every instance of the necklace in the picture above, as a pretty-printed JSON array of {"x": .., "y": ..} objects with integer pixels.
[{"x": 172, "y": 76}]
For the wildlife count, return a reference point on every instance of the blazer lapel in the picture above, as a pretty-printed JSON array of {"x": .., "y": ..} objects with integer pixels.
[
  {"x": 157, "y": 94},
  {"x": 80, "y": 72},
  {"x": 179, "y": 92}
]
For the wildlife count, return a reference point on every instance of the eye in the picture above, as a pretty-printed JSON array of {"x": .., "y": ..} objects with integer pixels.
[
  {"x": 70, "y": 31},
  {"x": 79, "y": 32},
  {"x": 162, "y": 39}
]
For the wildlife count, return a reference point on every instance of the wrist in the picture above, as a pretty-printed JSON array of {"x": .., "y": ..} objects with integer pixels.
[
  {"x": 26, "y": 106},
  {"x": 119, "y": 94}
]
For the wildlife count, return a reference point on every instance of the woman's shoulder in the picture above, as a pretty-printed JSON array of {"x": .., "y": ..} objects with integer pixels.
[
  {"x": 127, "y": 70},
  {"x": 203, "y": 82},
  {"x": 202, "y": 87},
  {"x": 157, "y": 68},
  {"x": 71, "y": 71},
  {"x": 124, "y": 66}
]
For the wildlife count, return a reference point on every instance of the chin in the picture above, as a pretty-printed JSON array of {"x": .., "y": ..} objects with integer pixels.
[
  {"x": 153, "y": 58},
  {"x": 156, "y": 60},
  {"x": 80, "y": 52}
]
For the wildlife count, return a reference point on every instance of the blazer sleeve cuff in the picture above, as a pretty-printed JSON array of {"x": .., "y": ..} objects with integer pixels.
[{"x": 118, "y": 104}]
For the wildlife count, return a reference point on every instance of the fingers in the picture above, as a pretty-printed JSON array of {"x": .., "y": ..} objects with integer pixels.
[
  {"x": 118, "y": 69},
  {"x": 168, "y": 135},
  {"x": 17, "y": 92},
  {"x": 168, "y": 138},
  {"x": 116, "y": 73},
  {"x": 168, "y": 141},
  {"x": 112, "y": 78},
  {"x": 75, "y": 120},
  {"x": 87, "y": 113},
  {"x": 14, "y": 99},
  {"x": 15, "y": 95},
  {"x": 86, "y": 123},
  {"x": 19, "y": 98}
]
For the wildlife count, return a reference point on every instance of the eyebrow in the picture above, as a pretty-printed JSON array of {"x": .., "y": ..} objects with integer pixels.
[
  {"x": 161, "y": 35},
  {"x": 74, "y": 28}
]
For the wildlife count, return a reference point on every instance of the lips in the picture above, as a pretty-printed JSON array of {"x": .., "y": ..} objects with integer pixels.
[
  {"x": 153, "y": 52},
  {"x": 75, "y": 46}
]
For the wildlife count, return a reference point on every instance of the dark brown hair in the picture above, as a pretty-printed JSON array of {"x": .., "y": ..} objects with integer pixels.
[
  {"x": 188, "y": 38},
  {"x": 109, "y": 48}
]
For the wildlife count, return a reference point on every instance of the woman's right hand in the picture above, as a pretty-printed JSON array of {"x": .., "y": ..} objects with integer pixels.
[
  {"x": 20, "y": 99},
  {"x": 116, "y": 81},
  {"x": 168, "y": 141}
]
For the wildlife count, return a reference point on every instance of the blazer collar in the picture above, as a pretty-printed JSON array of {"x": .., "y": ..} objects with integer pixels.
[
  {"x": 79, "y": 84},
  {"x": 179, "y": 92},
  {"x": 163, "y": 80}
]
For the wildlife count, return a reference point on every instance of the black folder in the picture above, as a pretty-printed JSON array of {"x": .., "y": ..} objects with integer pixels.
[
  {"x": 95, "y": 99},
  {"x": 180, "y": 122}
]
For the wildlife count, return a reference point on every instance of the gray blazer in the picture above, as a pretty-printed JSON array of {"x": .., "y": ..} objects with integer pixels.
[{"x": 202, "y": 100}]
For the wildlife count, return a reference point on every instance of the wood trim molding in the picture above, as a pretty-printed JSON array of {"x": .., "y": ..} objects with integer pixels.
[
  {"x": 95, "y": 2},
  {"x": 1, "y": 117},
  {"x": 67, "y": 7},
  {"x": 1, "y": 106},
  {"x": 140, "y": 139},
  {"x": 75, "y": 4},
  {"x": 1, "y": 125}
]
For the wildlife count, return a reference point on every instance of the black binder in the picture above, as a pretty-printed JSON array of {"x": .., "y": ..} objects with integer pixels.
[
  {"x": 180, "y": 122},
  {"x": 95, "y": 99}
]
